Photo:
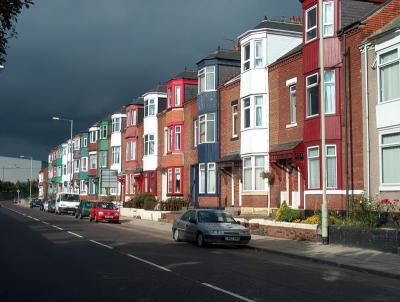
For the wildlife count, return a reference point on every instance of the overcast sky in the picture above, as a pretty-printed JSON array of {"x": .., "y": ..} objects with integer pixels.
[{"x": 83, "y": 59}]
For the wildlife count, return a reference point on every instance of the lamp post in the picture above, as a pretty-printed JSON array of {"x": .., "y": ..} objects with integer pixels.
[
  {"x": 72, "y": 128},
  {"x": 30, "y": 179}
]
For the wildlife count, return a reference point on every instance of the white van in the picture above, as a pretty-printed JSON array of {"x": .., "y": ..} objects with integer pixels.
[{"x": 67, "y": 203}]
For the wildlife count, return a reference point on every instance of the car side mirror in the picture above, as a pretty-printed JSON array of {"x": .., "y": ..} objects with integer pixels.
[{"x": 192, "y": 220}]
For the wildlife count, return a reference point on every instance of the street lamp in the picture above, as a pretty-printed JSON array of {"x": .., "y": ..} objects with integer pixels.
[
  {"x": 72, "y": 127},
  {"x": 30, "y": 179}
]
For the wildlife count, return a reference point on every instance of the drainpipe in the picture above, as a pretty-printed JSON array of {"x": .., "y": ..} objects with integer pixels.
[
  {"x": 346, "y": 142},
  {"x": 365, "y": 50}
]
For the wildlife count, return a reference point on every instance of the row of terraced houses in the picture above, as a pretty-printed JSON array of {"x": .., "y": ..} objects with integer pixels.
[{"x": 243, "y": 130}]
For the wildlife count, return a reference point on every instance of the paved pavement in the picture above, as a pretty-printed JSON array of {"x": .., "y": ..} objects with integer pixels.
[{"x": 45, "y": 257}]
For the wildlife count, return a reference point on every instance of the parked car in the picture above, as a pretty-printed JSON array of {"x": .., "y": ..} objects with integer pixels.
[
  {"x": 35, "y": 203},
  {"x": 207, "y": 226},
  {"x": 83, "y": 209},
  {"x": 104, "y": 211},
  {"x": 44, "y": 206},
  {"x": 67, "y": 203},
  {"x": 51, "y": 206}
]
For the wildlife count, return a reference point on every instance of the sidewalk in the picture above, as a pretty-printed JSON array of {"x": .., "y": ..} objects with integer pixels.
[{"x": 358, "y": 259}]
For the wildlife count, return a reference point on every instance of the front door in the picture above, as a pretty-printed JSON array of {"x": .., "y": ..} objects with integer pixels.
[{"x": 194, "y": 188}]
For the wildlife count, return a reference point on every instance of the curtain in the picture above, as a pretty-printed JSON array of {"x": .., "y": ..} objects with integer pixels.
[
  {"x": 389, "y": 81},
  {"x": 329, "y": 91},
  {"x": 331, "y": 167},
  {"x": 247, "y": 181},
  {"x": 259, "y": 167}
]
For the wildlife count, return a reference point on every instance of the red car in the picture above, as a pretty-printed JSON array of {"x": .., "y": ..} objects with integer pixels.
[{"x": 104, "y": 211}]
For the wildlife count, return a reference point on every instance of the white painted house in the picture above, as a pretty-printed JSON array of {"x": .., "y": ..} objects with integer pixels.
[
  {"x": 260, "y": 47},
  {"x": 154, "y": 102},
  {"x": 117, "y": 121}
]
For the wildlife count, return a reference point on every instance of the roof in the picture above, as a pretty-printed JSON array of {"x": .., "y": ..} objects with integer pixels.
[
  {"x": 136, "y": 101},
  {"x": 279, "y": 25},
  {"x": 159, "y": 88},
  {"x": 285, "y": 146},
  {"x": 230, "y": 158},
  {"x": 293, "y": 51},
  {"x": 392, "y": 26},
  {"x": 186, "y": 74},
  {"x": 353, "y": 11},
  {"x": 223, "y": 54}
]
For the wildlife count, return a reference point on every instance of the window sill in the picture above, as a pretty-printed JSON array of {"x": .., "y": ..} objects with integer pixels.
[
  {"x": 291, "y": 125},
  {"x": 389, "y": 188},
  {"x": 254, "y": 193},
  {"x": 312, "y": 116},
  {"x": 235, "y": 138}
]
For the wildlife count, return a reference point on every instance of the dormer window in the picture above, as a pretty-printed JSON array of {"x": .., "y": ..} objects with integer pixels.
[
  {"x": 246, "y": 57},
  {"x": 149, "y": 107},
  {"x": 206, "y": 79},
  {"x": 311, "y": 23}
]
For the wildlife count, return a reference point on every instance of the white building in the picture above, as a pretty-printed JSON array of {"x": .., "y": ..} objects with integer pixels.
[
  {"x": 154, "y": 102},
  {"x": 18, "y": 169},
  {"x": 117, "y": 121},
  {"x": 260, "y": 47}
]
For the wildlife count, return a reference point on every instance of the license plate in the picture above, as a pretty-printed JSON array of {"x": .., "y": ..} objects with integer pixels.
[
  {"x": 232, "y": 238},
  {"x": 70, "y": 212},
  {"x": 108, "y": 217}
]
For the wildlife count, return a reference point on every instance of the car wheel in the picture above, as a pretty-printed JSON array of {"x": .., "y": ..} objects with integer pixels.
[
  {"x": 200, "y": 240},
  {"x": 176, "y": 235},
  {"x": 90, "y": 218}
]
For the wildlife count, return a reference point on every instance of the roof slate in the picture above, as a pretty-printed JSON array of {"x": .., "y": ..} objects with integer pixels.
[
  {"x": 280, "y": 25},
  {"x": 353, "y": 11},
  {"x": 186, "y": 74},
  {"x": 223, "y": 54}
]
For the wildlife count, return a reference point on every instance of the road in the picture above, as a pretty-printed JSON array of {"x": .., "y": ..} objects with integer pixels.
[{"x": 45, "y": 257}]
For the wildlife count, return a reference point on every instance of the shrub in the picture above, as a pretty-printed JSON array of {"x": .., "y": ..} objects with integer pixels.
[
  {"x": 314, "y": 219},
  {"x": 141, "y": 201},
  {"x": 287, "y": 214}
]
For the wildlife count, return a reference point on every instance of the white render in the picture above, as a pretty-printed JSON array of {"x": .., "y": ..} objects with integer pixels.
[
  {"x": 65, "y": 178},
  {"x": 150, "y": 126},
  {"x": 116, "y": 141},
  {"x": 254, "y": 82}
]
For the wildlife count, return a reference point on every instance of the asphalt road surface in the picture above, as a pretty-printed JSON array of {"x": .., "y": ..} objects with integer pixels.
[{"x": 45, "y": 257}]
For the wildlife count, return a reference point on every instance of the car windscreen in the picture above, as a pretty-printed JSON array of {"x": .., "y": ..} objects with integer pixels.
[
  {"x": 69, "y": 197},
  {"x": 52, "y": 202},
  {"x": 88, "y": 204},
  {"x": 106, "y": 206},
  {"x": 214, "y": 217}
]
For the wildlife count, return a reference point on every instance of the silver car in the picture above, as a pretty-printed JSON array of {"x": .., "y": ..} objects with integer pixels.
[{"x": 205, "y": 226}]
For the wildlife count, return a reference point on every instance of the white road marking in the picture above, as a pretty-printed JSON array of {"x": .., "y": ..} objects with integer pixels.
[
  {"x": 182, "y": 264},
  {"x": 35, "y": 219},
  {"x": 228, "y": 292},
  {"x": 148, "y": 262},
  {"x": 29, "y": 217},
  {"x": 56, "y": 227},
  {"x": 75, "y": 234},
  {"x": 45, "y": 222},
  {"x": 102, "y": 244}
]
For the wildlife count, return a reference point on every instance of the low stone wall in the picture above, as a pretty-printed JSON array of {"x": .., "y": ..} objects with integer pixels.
[
  {"x": 143, "y": 214},
  {"x": 386, "y": 240},
  {"x": 286, "y": 230}
]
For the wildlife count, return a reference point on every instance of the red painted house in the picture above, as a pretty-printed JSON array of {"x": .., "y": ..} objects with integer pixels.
[
  {"x": 180, "y": 89},
  {"x": 130, "y": 162}
]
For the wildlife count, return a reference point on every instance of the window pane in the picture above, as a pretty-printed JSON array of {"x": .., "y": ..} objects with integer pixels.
[
  {"x": 169, "y": 180},
  {"x": 246, "y": 113},
  {"x": 177, "y": 180},
  {"x": 389, "y": 82},
  {"x": 259, "y": 111},
  {"x": 328, "y": 19},
  {"x": 202, "y": 129},
  {"x": 391, "y": 165},
  {"x": 177, "y": 95},
  {"x": 211, "y": 178},
  {"x": 392, "y": 138},
  {"x": 211, "y": 127},
  {"x": 311, "y": 24},
  {"x": 312, "y": 100},
  {"x": 331, "y": 174},
  {"x": 388, "y": 56},
  {"x": 329, "y": 80},
  {"x": 210, "y": 78},
  {"x": 293, "y": 104},
  {"x": 202, "y": 178}
]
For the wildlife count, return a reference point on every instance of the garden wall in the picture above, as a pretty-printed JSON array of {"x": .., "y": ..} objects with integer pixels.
[{"x": 143, "y": 214}]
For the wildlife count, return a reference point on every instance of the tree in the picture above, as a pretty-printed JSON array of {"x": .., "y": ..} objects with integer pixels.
[{"x": 9, "y": 10}]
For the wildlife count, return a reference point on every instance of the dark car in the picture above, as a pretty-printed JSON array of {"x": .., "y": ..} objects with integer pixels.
[
  {"x": 205, "y": 226},
  {"x": 83, "y": 209},
  {"x": 35, "y": 203},
  {"x": 51, "y": 206},
  {"x": 104, "y": 211}
]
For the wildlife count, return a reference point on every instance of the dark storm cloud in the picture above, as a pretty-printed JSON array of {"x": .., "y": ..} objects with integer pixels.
[{"x": 84, "y": 59}]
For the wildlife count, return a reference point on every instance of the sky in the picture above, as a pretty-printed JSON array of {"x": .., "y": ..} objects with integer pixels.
[{"x": 84, "y": 59}]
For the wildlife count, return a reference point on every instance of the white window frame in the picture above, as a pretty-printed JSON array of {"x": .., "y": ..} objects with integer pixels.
[
  {"x": 262, "y": 106},
  {"x": 76, "y": 165},
  {"x": 169, "y": 97},
  {"x": 150, "y": 103},
  {"x": 116, "y": 155},
  {"x": 315, "y": 27},
  {"x": 327, "y": 23},
  {"x": 386, "y": 186},
  {"x": 84, "y": 141},
  {"x": 244, "y": 112},
  {"x": 260, "y": 56},
  {"x": 178, "y": 140},
  {"x": 84, "y": 164},
  {"x": 202, "y": 178},
  {"x": 82, "y": 186},
  {"x": 214, "y": 170},
  {"x": 147, "y": 142},
  {"x": 246, "y": 65},
  {"x": 253, "y": 177},
  {"x": 206, "y": 122},
  {"x": 333, "y": 97},
  {"x": 91, "y": 156},
  {"x": 202, "y": 79},
  {"x": 92, "y": 187},
  {"x": 102, "y": 163},
  {"x": 235, "y": 120},
  {"x": 195, "y": 133},
  {"x": 102, "y": 128},
  {"x": 170, "y": 181},
  {"x": 380, "y": 65},
  {"x": 178, "y": 95},
  {"x": 93, "y": 136},
  {"x": 132, "y": 150},
  {"x": 308, "y": 167},
  {"x": 116, "y": 124},
  {"x": 336, "y": 166},
  {"x": 133, "y": 117},
  {"x": 308, "y": 87},
  {"x": 293, "y": 104}
]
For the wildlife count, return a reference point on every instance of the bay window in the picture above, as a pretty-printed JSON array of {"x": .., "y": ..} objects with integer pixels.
[
  {"x": 149, "y": 182},
  {"x": 103, "y": 156},
  {"x": 131, "y": 183},
  {"x": 254, "y": 112},
  {"x": 116, "y": 155},
  {"x": 207, "y": 128},
  {"x": 211, "y": 178},
  {"x": 253, "y": 166},
  {"x": 131, "y": 150},
  {"x": 313, "y": 168},
  {"x": 328, "y": 19},
  {"x": 82, "y": 186},
  {"x": 312, "y": 95},
  {"x": 329, "y": 83},
  {"x": 177, "y": 138},
  {"x": 103, "y": 131},
  {"x": 389, "y": 75},
  {"x": 246, "y": 57},
  {"x": 206, "y": 79},
  {"x": 178, "y": 96},
  {"x": 169, "y": 180},
  {"x": 93, "y": 161},
  {"x": 93, "y": 136},
  {"x": 259, "y": 110},
  {"x": 116, "y": 124},
  {"x": 331, "y": 167},
  {"x": 169, "y": 97},
  {"x": 202, "y": 178},
  {"x": 149, "y": 107},
  {"x": 258, "y": 54},
  {"x": 133, "y": 118},
  {"x": 390, "y": 154},
  {"x": 174, "y": 180},
  {"x": 92, "y": 186},
  {"x": 76, "y": 165},
  {"x": 84, "y": 141},
  {"x": 149, "y": 144},
  {"x": 311, "y": 23},
  {"x": 246, "y": 113},
  {"x": 84, "y": 164}
]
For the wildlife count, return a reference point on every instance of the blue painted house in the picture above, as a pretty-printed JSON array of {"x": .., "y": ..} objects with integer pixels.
[{"x": 213, "y": 70}]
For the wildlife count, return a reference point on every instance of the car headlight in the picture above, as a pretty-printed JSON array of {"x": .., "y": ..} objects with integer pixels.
[
  {"x": 244, "y": 232},
  {"x": 216, "y": 232},
  {"x": 100, "y": 213}
]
